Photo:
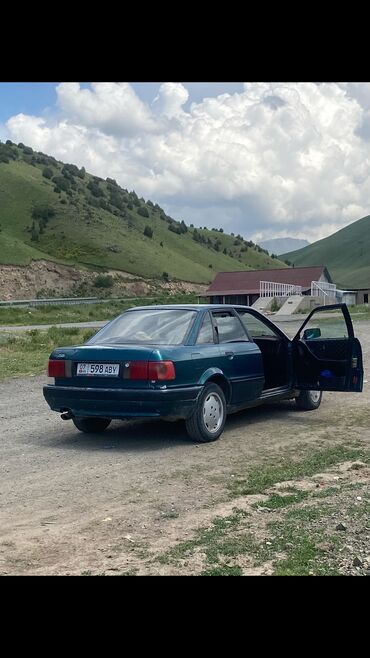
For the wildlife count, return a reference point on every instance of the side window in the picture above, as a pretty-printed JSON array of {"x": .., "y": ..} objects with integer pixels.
[
  {"x": 206, "y": 331},
  {"x": 327, "y": 324},
  {"x": 255, "y": 327},
  {"x": 228, "y": 327}
]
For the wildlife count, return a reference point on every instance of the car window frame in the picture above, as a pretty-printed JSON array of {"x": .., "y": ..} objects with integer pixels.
[
  {"x": 232, "y": 312},
  {"x": 275, "y": 330},
  {"x": 214, "y": 334}
]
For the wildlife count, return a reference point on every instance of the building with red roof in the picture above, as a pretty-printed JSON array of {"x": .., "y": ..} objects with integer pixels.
[{"x": 243, "y": 287}]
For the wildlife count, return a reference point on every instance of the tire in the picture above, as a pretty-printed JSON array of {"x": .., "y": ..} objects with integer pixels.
[
  {"x": 91, "y": 425},
  {"x": 309, "y": 400},
  {"x": 208, "y": 420}
]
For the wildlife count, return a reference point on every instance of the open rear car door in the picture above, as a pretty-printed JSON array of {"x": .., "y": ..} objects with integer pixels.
[{"x": 327, "y": 356}]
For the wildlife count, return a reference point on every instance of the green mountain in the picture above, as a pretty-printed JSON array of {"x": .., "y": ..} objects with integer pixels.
[
  {"x": 55, "y": 211},
  {"x": 346, "y": 254}
]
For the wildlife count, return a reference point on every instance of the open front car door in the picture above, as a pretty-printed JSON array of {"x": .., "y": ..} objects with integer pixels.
[{"x": 327, "y": 356}]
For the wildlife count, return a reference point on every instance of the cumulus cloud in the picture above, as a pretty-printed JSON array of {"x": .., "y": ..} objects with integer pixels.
[
  {"x": 112, "y": 107},
  {"x": 273, "y": 160},
  {"x": 170, "y": 99}
]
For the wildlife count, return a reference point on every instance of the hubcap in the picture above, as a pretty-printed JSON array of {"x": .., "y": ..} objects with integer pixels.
[
  {"x": 213, "y": 412},
  {"x": 315, "y": 395}
]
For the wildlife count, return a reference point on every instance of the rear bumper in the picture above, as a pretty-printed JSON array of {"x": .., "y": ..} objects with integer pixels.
[{"x": 122, "y": 403}]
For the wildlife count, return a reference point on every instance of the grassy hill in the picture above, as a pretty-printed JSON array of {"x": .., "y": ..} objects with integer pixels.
[
  {"x": 346, "y": 254},
  {"x": 53, "y": 211}
]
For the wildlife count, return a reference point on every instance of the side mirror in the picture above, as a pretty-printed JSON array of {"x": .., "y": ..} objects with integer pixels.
[{"x": 309, "y": 334}]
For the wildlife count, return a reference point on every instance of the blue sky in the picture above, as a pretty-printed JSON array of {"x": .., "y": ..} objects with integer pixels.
[
  {"x": 37, "y": 97},
  {"x": 261, "y": 159}
]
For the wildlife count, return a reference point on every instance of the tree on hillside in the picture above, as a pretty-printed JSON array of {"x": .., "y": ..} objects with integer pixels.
[
  {"x": 47, "y": 172},
  {"x": 148, "y": 232},
  {"x": 143, "y": 212},
  {"x": 61, "y": 182}
]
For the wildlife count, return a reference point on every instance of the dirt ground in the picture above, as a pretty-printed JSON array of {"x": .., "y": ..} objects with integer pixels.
[
  {"x": 113, "y": 503},
  {"x": 55, "y": 280}
]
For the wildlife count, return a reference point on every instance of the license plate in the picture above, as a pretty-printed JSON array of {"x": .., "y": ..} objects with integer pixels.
[{"x": 98, "y": 369}]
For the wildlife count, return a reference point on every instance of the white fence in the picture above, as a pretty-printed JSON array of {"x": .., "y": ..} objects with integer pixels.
[
  {"x": 272, "y": 289},
  {"x": 323, "y": 289}
]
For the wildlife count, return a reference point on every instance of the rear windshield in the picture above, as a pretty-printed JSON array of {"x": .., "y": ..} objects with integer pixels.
[{"x": 149, "y": 327}]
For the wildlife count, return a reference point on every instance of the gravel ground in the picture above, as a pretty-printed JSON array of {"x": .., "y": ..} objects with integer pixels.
[{"x": 71, "y": 503}]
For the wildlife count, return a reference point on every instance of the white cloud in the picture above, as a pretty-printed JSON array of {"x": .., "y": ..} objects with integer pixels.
[
  {"x": 170, "y": 99},
  {"x": 275, "y": 159},
  {"x": 112, "y": 107}
]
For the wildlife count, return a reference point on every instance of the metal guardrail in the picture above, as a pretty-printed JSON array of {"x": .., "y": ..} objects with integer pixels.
[{"x": 67, "y": 301}]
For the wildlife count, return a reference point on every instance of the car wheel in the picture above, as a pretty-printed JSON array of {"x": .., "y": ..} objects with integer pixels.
[
  {"x": 208, "y": 420},
  {"x": 309, "y": 400},
  {"x": 91, "y": 424}
]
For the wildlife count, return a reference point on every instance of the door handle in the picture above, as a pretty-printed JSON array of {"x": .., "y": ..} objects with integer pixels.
[{"x": 230, "y": 354}]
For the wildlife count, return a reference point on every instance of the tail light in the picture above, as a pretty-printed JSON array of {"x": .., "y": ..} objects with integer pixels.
[
  {"x": 152, "y": 370},
  {"x": 56, "y": 368},
  {"x": 161, "y": 370}
]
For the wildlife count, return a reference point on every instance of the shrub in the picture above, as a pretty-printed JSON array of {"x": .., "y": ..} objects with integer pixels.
[
  {"x": 174, "y": 228},
  {"x": 70, "y": 169},
  {"x": 103, "y": 281},
  {"x": 7, "y": 152},
  {"x": 116, "y": 200},
  {"x": 165, "y": 276},
  {"x": 43, "y": 212},
  {"x": 148, "y": 232},
  {"x": 94, "y": 188},
  {"x": 143, "y": 211},
  {"x": 61, "y": 182},
  {"x": 47, "y": 172}
]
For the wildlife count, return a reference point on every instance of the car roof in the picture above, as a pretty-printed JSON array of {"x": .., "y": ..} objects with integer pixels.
[{"x": 187, "y": 307}]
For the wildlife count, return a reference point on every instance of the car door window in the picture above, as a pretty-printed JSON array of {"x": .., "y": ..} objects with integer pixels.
[
  {"x": 228, "y": 327},
  {"x": 255, "y": 327},
  {"x": 206, "y": 331},
  {"x": 328, "y": 325}
]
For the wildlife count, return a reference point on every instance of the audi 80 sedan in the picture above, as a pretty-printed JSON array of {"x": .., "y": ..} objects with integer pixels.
[{"x": 199, "y": 363}]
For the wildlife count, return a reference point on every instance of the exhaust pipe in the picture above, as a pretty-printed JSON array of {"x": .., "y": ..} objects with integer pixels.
[{"x": 67, "y": 415}]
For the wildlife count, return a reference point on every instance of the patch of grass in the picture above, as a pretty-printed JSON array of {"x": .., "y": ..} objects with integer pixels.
[
  {"x": 304, "y": 561},
  {"x": 360, "y": 510},
  {"x": 262, "y": 477},
  {"x": 213, "y": 540},
  {"x": 299, "y": 539},
  {"x": 27, "y": 353},
  {"x": 223, "y": 570},
  {"x": 304, "y": 514},
  {"x": 276, "y": 501},
  {"x": 325, "y": 493},
  {"x": 58, "y": 313}
]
